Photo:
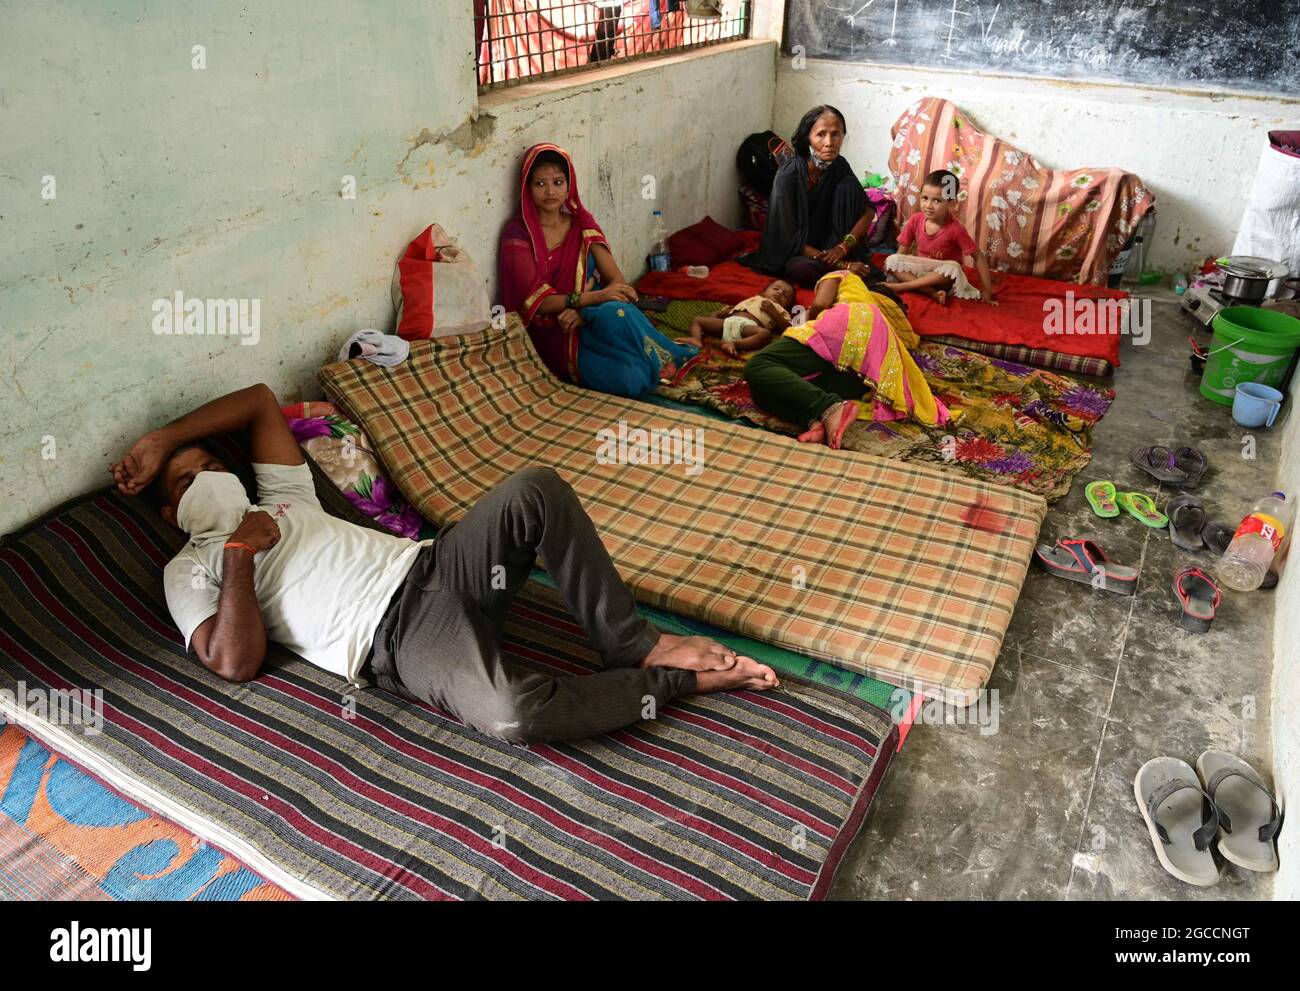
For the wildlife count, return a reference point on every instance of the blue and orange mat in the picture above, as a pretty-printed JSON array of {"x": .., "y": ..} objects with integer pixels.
[{"x": 66, "y": 836}]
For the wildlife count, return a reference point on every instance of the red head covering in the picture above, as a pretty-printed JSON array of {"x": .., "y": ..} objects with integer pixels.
[{"x": 530, "y": 271}]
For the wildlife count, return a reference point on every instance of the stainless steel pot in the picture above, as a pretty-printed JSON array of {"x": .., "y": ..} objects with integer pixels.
[{"x": 1247, "y": 278}]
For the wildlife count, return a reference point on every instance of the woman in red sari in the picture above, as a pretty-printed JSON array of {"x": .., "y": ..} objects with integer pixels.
[{"x": 557, "y": 272}]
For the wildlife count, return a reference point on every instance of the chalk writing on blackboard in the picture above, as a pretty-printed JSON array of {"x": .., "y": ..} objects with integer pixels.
[
  {"x": 1221, "y": 44},
  {"x": 967, "y": 27}
]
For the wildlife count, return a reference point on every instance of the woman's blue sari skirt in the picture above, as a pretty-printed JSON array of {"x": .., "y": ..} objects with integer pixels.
[{"x": 621, "y": 352}]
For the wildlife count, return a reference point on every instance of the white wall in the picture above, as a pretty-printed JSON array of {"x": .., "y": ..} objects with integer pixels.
[
  {"x": 225, "y": 182},
  {"x": 1198, "y": 151},
  {"x": 1286, "y": 679}
]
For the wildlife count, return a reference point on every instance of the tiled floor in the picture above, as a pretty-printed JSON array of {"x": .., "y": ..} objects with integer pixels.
[{"x": 1090, "y": 686}]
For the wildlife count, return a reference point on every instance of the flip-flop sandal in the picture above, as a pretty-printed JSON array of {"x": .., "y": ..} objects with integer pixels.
[
  {"x": 1217, "y": 537},
  {"x": 1141, "y": 507},
  {"x": 835, "y": 431},
  {"x": 1159, "y": 463},
  {"x": 1101, "y": 497},
  {"x": 1083, "y": 561},
  {"x": 1186, "y": 521},
  {"x": 1191, "y": 461},
  {"x": 1181, "y": 818},
  {"x": 1249, "y": 818},
  {"x": 1199, "y": 596}
]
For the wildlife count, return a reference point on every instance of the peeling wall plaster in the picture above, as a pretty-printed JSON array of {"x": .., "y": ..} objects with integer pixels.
[{"x": 229, "y": 182}]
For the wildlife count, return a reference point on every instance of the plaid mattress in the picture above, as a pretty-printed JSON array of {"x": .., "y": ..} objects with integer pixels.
[
  {"x": 1071, "y": 364},
  {"x": 731, "y": 796},
  {"x": 900, "y": 571}
]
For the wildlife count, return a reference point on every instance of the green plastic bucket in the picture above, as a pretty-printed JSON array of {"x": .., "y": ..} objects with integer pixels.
[{"x": 1250, "y": 345}]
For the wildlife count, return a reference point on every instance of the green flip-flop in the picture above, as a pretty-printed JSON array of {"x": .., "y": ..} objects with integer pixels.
[
  {"x": 1142, "y": 508},
  {"x": 1101, "y": 497}
]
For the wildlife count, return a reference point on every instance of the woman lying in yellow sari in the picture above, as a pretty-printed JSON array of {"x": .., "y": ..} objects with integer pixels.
[{"x": 849, "y": 360}]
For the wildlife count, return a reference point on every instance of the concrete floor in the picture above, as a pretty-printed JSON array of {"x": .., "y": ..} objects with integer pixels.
[{"x": 1091, "y": 685}]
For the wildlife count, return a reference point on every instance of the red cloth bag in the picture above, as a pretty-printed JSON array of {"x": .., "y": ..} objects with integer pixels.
[{"x": 437, "y": 289}]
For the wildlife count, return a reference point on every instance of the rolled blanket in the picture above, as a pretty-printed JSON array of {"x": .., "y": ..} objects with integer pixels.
[{"x": 916, "y": 265}]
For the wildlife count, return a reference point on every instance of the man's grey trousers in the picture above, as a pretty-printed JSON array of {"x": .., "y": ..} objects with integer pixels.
[{"x": 440, "y": 640}]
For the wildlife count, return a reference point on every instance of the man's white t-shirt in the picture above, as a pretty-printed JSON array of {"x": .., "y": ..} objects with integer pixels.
[{"x": 322, "y": 589}]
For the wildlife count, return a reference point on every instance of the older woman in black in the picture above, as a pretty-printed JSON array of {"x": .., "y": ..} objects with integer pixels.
[{"x": 819, "y": 213}]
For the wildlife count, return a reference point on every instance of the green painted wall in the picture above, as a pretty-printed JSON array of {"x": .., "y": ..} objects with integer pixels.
[{"x": 225, "y": 182}]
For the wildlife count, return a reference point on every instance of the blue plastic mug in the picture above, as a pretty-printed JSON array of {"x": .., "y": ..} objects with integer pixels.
[{"x": 1256, "y": 405}]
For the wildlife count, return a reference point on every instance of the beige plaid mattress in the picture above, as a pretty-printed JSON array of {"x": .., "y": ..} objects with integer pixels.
[{"x": 902, "y": 572}]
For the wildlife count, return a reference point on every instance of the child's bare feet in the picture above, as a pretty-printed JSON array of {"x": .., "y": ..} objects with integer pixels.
[
  {"x": 746, "y": 674},
  {"x": 689, "y": 653}
]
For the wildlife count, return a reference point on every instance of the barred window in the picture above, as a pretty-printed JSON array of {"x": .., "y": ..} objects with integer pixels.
[{"x": 518, "y": 40}]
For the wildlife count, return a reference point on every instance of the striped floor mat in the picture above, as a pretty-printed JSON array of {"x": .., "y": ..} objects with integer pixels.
[
  {"x": 735, "y": 796},
  {"x": 65, "y": 836}
]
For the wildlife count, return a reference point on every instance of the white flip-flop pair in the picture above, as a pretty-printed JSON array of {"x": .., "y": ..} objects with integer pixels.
[{"x": 1187, "y": 809}]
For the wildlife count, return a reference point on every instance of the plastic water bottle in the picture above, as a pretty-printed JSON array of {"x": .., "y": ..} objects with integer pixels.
[
  {"x": 660, "y": 259},
  {"x": 1180, "y": 284},
  {"x": 1258, "y": 539}
]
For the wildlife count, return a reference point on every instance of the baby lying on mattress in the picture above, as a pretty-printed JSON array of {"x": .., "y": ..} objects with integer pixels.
[
  {"x": 422, "y": 619},
  {"x": 750, "y": 324}
]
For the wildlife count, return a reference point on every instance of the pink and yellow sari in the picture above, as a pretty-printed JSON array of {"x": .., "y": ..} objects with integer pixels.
[{"x": 868, "y": 333}]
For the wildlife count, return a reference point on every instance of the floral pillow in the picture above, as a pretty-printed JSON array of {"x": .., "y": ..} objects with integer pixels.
[{"x": 344, "y": 453}]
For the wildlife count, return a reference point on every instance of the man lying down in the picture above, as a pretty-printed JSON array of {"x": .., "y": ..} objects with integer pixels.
[{"x": 422, "y": 620}]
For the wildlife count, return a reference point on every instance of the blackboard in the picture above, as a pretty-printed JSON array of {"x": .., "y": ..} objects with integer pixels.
[{"x": 1251, "y": 46}]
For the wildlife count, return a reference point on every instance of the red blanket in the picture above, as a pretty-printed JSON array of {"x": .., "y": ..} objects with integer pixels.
[{"x": 1019, "y": 318}]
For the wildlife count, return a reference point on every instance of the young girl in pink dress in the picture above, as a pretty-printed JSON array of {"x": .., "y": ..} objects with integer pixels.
[{"x": 933, "y": 245}]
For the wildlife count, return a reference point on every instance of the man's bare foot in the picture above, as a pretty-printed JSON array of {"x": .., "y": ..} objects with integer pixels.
[
  {"x": 746, "y": 674},
  {"x": 689, "y": 654}
]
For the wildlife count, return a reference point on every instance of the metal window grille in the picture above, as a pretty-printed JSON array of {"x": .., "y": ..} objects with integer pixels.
[{"x": 519, "y": 40}]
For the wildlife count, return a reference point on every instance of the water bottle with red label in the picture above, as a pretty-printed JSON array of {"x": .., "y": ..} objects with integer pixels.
[{"x": 1258, "y": 539}]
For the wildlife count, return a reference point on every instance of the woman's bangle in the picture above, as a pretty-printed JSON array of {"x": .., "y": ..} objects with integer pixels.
[
  {"x": 239, "y": 545},
  {"x": 573, "y": 299},
  {"x": 849, "y": 240}
]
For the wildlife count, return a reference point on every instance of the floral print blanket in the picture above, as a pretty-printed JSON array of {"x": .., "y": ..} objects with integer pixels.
[
  {"x": 345, "y": 454},
  {"x": 1057, "y": 224},
  {"x": 1015, "y": 424}
]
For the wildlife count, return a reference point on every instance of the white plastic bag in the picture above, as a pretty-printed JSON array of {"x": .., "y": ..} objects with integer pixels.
[
  {"x": 437, "y": 289},
  {"x": 1271, "y": 225}
]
